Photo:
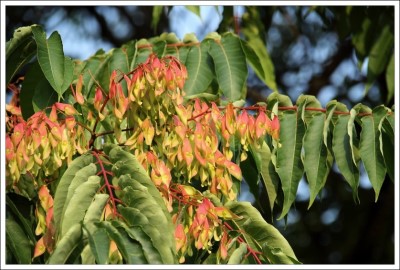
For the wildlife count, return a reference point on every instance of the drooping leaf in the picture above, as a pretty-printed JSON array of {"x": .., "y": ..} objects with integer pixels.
[
  {"x": 66, "y": 245},
  {"x": 264, "y": 164},
  {"x": 379, "y": 55},
  {"x": 87, "y": 256},
  {"x": 260, "y": 60},
  {"x": 157, "y": 10},
  {"x": 79, "y": 203},
  {"x": 23, "y": 220},
  {"x": 17, "y": 242},
  {"x": 238, "y": 254},
  {"x": 277, "y": 256},
  {"x": 341, "y": 146},
  {"x": 251, "y": 175},
  {"x": 371, "y": 148},
  {"x": 130, "y": 249},
  {"x": 288, "y": 160},
  {"x": 19, "y": 51},
  {"x": 257, "y": 232},
  {"x": 99, "y": 242},
  {"x": 57, "y": 68},
  {"x": 230, "y": 66},
  {"x": 65, "y": 181},
  {"x": 81, "y": 177},
  {"x": 198, "y": 68},
  {"x": 317, "y": 159},
  {"x": 96, "y": 208}
]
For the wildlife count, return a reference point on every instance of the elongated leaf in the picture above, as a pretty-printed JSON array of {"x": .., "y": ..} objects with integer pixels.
[
  {"x": 288, "y": 160},
  {"x": 316, "y": 156},
  {"x": 129, "y": 248},
  {"x": 238, "y": 254},
  {"x": 79, "y": 203},
  {"x": 371, "y": 148},
  {"x": 200, "y": 74},
  {"x": 66, "y": 245},
  {"x": 65, "y": 181},
  {"x": 379, "y": 55},
  {"x": 264, "y": 164},
  {"x": 81, "y": 177},
  {"x": 19, "y": 51},
  {"x": 259, "y": 59},
  {"x": 87, "y": 256},
  {"x": 276, "y": 256},
  {"x": 230, "y": 66},
  {"x": 99, "y": 242},
  {"x": 17, "y": 242},
  {"x": 57, "y": 68},
  {"x": 24, "y": 221},
  {"x": 157, "y": 10},
  {"x": 256, "y": 231},
  {"x": 96, "y": 208},
  {"x": 344, "y": 155}
]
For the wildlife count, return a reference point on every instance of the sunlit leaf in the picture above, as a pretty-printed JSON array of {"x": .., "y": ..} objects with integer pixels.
[
  {"x": 230, "y": 66},
  {"x": 238, "y": 254},
  {"x": 257, "y": 232},
  {"x": 390, "y": 79},
  {"x": 66, "y": 245}
]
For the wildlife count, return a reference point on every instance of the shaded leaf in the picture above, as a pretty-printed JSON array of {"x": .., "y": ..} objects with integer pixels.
[
  {"x": 99, "y": 242},
  {"x": 371, "y": 148},
  {"x": 17, "y": 242},
  {"x": 19, "y": 50},
  {"x": 317, "y": 161},
  {"x": 390, "y": 79},
  {"x": 157, "y": 11},
  {"x": 129, "y": 248}
]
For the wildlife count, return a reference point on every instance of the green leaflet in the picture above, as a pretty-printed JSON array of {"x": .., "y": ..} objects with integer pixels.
[
  {"x": 230, "y": 66},
  {"x": 79, "y": 203},
  {"x": 98, "y": 240},
  {"x": 57, "y": 68},
  {"x": 371, "y": 148},
  {"x": 17, "y": 242},
  {"x": 341, "y": 146},
  {"x": 379, "y": 55},
  {"x": 259, "y": 59},
  {"x": 95, "y": 73},
  {"x": 257, "y": 232},
  {"x": 317, "y": 160},
  {"x": 145, "y": 206},
  {"x": 199, "y": 71},
  {"x": 238, "y": 254},
  {"x": 130, "y": 249},
  {"x": 87, "y": 256},
  {"x": 66, "y": 245},
  {"x": 266, "y": 168},
  {"x": 288, "y": 157},
  {"x": 157, "y": 10},
  {"x": 19, "y": 51},
  {"x": 61, "y": 193}
]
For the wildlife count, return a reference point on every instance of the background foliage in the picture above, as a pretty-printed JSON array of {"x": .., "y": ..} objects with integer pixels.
[{"x": 297, "y": 34}]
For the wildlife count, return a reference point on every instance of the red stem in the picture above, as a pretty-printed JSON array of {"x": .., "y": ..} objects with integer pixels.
[{"x": 107, "y": 184}]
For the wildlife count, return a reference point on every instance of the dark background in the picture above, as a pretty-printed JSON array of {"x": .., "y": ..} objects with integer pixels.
[{"x": 310, "y": 57}]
